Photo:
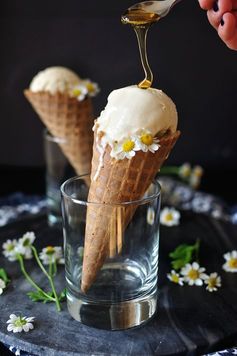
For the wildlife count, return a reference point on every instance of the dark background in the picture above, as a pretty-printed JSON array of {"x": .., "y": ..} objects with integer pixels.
[{"x": 189, "y": 61}]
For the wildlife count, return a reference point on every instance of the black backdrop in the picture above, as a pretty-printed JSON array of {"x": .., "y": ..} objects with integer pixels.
[{"x": 189, "y": 62}]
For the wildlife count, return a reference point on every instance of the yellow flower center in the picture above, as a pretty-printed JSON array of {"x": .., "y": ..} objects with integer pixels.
[
  {"x": 10, "y": 247},
  {"x": 232, "y": 263},
  {"x": 193, "y": 274},
  {"x": 169, "y": 217},
  {"x": 90, "y": 87},
  {"x": 175, "y": 278},
  {"x": 76, "y": 92},
  {"x": 212, "y": 282},
  {"x": 147, "y": 139},
  {"x": 128, "y": 146},
  {"x": 50, "y": 250}
]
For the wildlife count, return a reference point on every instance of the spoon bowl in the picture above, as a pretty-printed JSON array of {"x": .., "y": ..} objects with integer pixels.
[{"x": 159, "y": 7}]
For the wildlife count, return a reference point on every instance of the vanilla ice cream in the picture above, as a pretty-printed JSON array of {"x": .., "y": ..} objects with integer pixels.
[
  {"x": 55, "y": 79},
  {"x": 131, "y": 109}
]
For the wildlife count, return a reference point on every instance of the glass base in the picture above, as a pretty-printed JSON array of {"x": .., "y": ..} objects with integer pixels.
[{"x": 116, "y": 316}]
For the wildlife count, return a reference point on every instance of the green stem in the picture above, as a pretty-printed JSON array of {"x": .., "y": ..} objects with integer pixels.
[
  {"x": 50, "y": 268},
  {"x": 54, "y": 268},
  {"x": 28, "y": 278},
  {"x": 48, "y": 276},
  {"x": 197, "y": 247},
  {"x": 169, "y": 170}
]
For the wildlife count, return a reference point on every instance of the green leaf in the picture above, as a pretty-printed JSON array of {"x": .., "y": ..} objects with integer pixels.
[
  {"x": 184, "y": 254},
  {"x": 4, "y": 276},
  {"x": 40, "y": 297}
]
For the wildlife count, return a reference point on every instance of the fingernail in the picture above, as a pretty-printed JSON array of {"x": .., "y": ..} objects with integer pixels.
[
  {"x": 215, "y": 7},
  {"x": 222, "y": 22}
]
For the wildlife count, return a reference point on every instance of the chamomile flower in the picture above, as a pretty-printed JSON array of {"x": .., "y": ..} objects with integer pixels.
[
  {"x": 175, "y": 278},
  {"x": 125, "y": 149},
  {"x": 193, "y": 274},
  {"x": 150, "y": 217},
  {"x": 195, "y": 177},
  {"x": 2, "y": 285},
  {"x": 146, "y": 142},
  {"x": 51, "y": 254},
  {"x": 18, "y": 324},
  {"x": 231, "y": 261},
  {"x": 24, "y": 245},
  {"x": 169, "y": 217},
  {"x": 9, "y": 250},
  {"x": 213, "y": 282},
  {"x": 185, "y": 170},
  {"x": 80, "y": 91},
  {"x": 92, "y": 88}
]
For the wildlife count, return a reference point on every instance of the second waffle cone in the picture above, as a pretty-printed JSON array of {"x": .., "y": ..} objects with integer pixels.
[{"x": 69, "y": 119}]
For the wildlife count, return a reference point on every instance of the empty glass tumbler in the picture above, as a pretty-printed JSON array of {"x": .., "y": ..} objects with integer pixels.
[
  {"x": 124, "y": 292},
  {"x": 58, "y": 170}
]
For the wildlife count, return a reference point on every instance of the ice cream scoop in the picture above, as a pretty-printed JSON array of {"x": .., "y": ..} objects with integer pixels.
[
  {"x": 55, "y": 79},
  {"x": 132, "y": 109}
]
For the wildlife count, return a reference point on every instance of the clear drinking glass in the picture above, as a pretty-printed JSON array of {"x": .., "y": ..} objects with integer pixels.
[
  {"x": 124, "y": 293},
  {"x": 58, "y": 169}
]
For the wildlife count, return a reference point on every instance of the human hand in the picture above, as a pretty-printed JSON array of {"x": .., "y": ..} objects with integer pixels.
[{"x": 222, "y": 15}]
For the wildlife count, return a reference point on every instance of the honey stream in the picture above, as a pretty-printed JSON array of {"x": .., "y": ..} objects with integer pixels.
[{"x": 141, "y": 21}]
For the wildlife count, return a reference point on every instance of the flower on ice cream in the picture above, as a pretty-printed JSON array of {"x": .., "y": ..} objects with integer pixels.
[
  {"x": 52, "y": 254},
  {"x": 2, "y": 285},
  {"x": 170, "y": 217},
  {"x": 24, "y": 244},
  {"x": 18, "y": 324},
  {"x": 92, "y": 88},
  {"x": 125, "y": 149},
  {"x": 175, "y": 278},
  {"x": 231, "y": 261},
  {"x": 146, "y": 142},
  {"x": 193, "y": 274},
  {"x": 213, "y": 281},
  {"x": 9, "y": 250},
  {"x": 80, "y": 92}
]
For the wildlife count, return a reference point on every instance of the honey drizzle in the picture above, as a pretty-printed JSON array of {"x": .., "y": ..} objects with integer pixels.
[{"x": 141, "y": 22}]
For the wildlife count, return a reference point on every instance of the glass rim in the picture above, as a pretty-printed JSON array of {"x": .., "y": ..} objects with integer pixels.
[
  {"x": 52, "y": 138},
  {"x": 127, "y": 203}
]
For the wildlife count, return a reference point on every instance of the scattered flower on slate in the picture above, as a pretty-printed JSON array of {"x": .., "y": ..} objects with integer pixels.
[
  {"x": 213, "y": 282},
  {"x": 9, "y": 250},
  {"x": 24, "y": 244},
  {"x": 193, "y": 274},
  {"x": 185, "y": 170},
  {"x": 52, "y": 254},
  {"x": 175, "y": 278},
  {"x": 170, "y": 217},
  {"x": 2, "y": 285},
  {"x": 231, "y": 261},
  {"x": 17, "y": 324}
]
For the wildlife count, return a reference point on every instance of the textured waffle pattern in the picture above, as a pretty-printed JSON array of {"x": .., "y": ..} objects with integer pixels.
[
  {"x": 118, "y": 181},
  {"x": 70, "y": 119}
]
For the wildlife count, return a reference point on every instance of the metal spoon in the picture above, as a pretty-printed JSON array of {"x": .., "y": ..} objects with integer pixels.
[{"x": 159, "y": 7}]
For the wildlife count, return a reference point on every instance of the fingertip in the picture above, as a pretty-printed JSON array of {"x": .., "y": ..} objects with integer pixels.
[
  {"x": 227, "y": 30},
  {"x": 227, "y": 26},
  {"x": 206, "y": 4}
]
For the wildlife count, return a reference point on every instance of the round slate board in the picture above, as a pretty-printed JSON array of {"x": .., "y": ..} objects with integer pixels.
[{"x": 189, "y": 320}]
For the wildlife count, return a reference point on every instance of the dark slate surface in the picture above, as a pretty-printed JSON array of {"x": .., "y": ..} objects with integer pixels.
[{"x": 189, "y": 320}]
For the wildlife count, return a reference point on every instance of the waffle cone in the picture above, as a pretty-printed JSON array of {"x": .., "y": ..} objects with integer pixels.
[
  {"x": 118, "y": 181},
  {"x": 67, "y": 118}
]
